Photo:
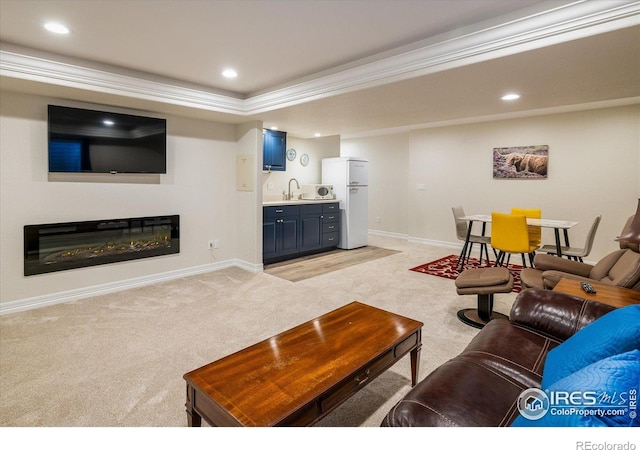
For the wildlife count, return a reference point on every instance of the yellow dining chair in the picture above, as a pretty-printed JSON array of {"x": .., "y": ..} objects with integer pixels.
[
  {"x": 509, "y": 234},
  {"x": 535, "y": 232}
]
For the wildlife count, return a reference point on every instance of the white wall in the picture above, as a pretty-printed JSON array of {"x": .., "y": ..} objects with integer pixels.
[
  {"x": 389, "y": 182},
  {"x": 594, "y": 167},
  {"x": 199, "y": 185},
  {"x": 248, "y": 229},
  {"x": 316, "y": 148}
]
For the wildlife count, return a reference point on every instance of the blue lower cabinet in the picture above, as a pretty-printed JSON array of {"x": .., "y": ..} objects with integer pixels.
[
  {"x": 311, "y": 227},
  {"x": 330, "y": 225},
  {"x": 290, "y": 242},
  {"x": 269, "y": 239},
  {"x": 280, "y": 231},
  {"x": 311, "y": 232},
  {"x": 294, "y": 230}
]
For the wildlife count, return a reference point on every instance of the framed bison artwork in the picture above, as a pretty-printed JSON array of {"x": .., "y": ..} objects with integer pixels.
[{"x": 521, "y": 162}]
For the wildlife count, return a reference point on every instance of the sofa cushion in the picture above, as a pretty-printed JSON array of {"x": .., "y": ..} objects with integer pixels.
[
  {"x": 614, "y": 333},
  {"x": 512, "y": 350},
  {"x": 555, "y": 314},
  {"x": 458, "y": 393},
  {"x": 611, "y": 384},
  {"x": 486, "y": 378},
  {"x": 481, "y": 386}
]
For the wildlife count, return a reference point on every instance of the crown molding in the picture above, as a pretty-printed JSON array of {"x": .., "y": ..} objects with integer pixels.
[
  {"x": 495, "y": 117},
  {"x": 45, "y": 70},
  {"x": 562, "y": 24}
]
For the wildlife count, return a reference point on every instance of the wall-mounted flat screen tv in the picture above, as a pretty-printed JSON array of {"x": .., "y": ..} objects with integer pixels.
[{"x": 82, "y": 140}]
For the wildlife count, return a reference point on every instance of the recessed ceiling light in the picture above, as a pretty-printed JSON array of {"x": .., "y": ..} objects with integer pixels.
[
  {"x": 56, "y": 27},
  {"x": 317, "y": 135},
  {"x": 511, "y": 97},
  {"x": 229, "y": 73}
]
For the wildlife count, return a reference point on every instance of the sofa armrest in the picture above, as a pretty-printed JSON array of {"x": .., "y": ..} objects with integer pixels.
[
  {"x": 552, "y": 277},
  {"x": 549, "y": 262},
  {"x": 555, "y": 314}
]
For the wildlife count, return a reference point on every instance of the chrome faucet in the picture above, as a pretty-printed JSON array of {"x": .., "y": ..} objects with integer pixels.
[{"x": 297, "y": 184}]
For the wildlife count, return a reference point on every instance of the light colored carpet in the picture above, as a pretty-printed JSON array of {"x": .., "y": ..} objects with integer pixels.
[{"x": 118, "y": 359}]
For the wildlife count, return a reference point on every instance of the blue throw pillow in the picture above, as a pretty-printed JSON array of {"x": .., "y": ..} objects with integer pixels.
[
  {"x": 604, "y": 393},
  {"x": 615, "y": 332}
]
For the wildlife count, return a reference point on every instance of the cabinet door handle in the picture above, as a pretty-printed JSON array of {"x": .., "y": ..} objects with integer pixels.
[
  {"x": 331, "y": 227},
  {"x": 279, "y": 210},
  {"x": 322, "y": 217}
]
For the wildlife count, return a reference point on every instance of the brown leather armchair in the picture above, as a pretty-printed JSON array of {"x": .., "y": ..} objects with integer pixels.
[{"x": 619, "y": 268}]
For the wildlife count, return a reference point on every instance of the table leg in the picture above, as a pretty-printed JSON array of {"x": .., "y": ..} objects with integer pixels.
[
  {"x": 464, "y": 247},
  {"x": 486, "y": 250},
  {"x": 558, "y": 245},
  {"x": 193, "y": 418},
  {"x": 415, "y": 361}
]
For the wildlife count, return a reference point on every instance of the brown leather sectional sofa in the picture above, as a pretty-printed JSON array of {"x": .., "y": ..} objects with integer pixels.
[{"x": 481, "y": 386}]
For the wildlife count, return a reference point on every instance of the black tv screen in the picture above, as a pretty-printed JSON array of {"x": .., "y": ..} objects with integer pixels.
[{"x": 82, "y": 140}]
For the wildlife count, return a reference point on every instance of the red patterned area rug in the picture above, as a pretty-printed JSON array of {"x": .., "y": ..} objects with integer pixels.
[{"x": 446, "y": 268}]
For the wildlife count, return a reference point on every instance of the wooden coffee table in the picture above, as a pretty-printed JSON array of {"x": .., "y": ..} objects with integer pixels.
[
  {"x": 297, "y": 377},
  {"x": 605, "y": 293}
]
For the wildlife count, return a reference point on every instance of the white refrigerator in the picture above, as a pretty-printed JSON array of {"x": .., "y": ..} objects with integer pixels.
[{"x": 350, "y": 179}]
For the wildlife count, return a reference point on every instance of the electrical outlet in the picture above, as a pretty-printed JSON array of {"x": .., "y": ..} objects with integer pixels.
[{"x": 216, "y": 244}]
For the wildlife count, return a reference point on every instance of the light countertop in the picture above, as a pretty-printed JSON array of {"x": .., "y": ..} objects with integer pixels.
[{"x": 297, "y": 202}]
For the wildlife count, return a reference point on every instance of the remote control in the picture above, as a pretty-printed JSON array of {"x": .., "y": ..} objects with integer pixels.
[{"x": 587, "y": 288}]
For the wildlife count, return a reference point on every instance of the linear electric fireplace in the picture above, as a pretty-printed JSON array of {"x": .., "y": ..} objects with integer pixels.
[{"x": 63, "y": 246}]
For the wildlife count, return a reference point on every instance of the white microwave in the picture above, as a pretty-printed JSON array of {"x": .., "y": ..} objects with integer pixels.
[{"x": 317, "y": 191}]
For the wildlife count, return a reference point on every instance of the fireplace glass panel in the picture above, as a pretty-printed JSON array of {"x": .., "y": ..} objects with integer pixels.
[{"x": 63, "y": 246}]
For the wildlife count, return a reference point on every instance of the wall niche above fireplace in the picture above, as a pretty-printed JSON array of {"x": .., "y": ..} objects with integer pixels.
[{"x": 71, "y": 245}]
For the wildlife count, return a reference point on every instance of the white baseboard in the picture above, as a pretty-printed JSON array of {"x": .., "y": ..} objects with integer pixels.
[
  {"x": 92, "y": 291},
  {"x": 388, "y": 234},
  {"x": 415, "y": 240}
]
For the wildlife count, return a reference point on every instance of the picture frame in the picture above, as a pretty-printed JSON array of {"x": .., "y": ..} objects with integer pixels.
[{"x": 524, "y": 162}]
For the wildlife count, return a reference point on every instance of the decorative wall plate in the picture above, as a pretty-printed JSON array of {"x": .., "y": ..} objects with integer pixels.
[
  {"x": 304, "y": 159},
  {"x": 291, "y": 154}
]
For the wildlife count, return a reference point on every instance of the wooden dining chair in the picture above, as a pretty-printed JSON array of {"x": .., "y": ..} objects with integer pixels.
[
  {"x": 510, "y": 234},
  {"x": 535, "y": 232}
]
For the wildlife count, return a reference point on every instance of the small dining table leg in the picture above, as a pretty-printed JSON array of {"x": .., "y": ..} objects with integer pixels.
[
  {"x": 558, "y": 245},
  {"x": 463, "y": 254},
  {"x": 486, "y": 249}
]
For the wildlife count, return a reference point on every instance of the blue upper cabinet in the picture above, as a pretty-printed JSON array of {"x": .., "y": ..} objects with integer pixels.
[{"x": 274, "y": 150}]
